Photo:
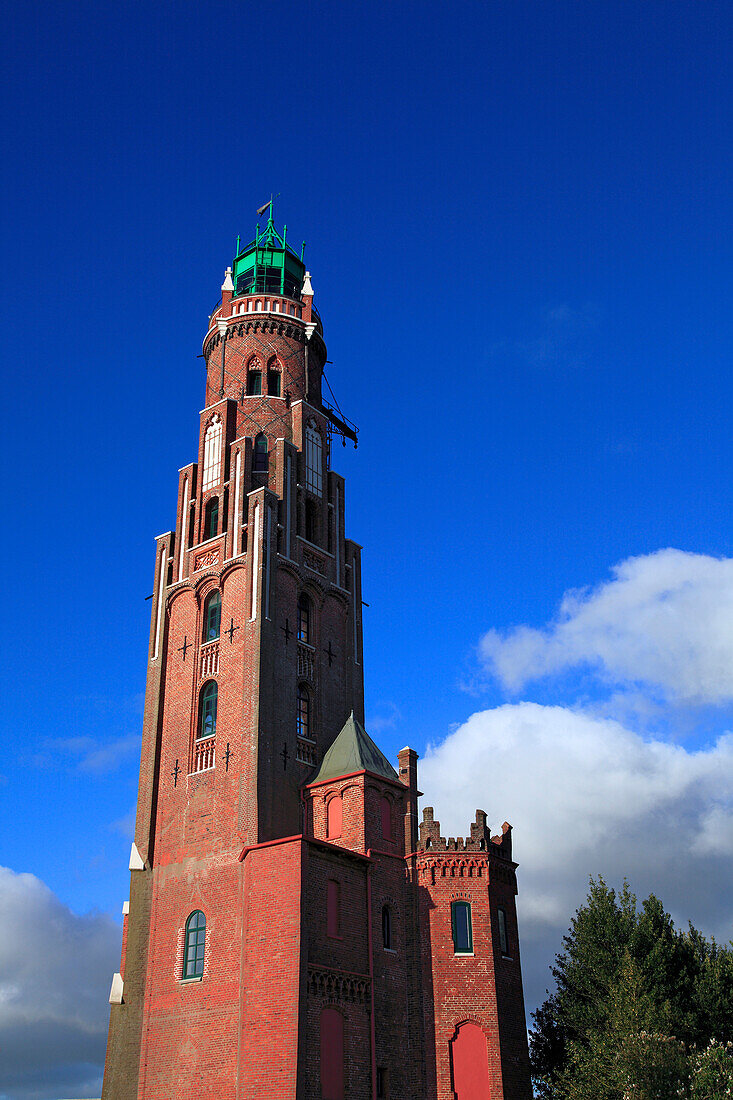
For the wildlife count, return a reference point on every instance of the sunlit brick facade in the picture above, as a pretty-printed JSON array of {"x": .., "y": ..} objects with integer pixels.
[{"x": 291, "y": 931}]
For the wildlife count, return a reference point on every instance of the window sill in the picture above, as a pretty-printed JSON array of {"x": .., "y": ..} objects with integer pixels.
[
  {"x": 329, "y": 936},
  {"x": 390, "y": 950},
  {"x": 464, "y": 954},
  {"x": 191, "y": 981}
]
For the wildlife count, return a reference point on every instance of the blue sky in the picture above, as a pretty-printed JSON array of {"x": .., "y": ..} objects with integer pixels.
[{"x": 518, "y": 226}]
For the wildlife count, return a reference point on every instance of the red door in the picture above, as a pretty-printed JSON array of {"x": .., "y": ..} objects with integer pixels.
[
  {"x": 470, "y": 1059},
  {"x": 332, "y": 1055}
]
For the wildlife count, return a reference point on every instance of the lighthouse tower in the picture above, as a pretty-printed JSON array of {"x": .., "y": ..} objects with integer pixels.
[{"x": 291, "y": 931}]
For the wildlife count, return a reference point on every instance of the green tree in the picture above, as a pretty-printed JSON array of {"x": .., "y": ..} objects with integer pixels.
[{"x": 634, "y": 1008}]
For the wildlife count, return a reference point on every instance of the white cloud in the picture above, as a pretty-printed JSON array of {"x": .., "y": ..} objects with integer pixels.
[
  {"x": 588, "y": 796},
  {"x": 664, "y": 621},
  {"x": 55, "y": 972}
]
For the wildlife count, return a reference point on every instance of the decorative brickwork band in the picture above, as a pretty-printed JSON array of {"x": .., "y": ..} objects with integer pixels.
[{"x": 335, "y": 985}]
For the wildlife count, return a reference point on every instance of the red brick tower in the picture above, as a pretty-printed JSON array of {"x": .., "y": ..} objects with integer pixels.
[{"x": 287, "y": 935}]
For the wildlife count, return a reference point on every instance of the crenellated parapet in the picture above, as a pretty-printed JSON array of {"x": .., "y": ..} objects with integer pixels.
[{"x": 479, "y": 840}]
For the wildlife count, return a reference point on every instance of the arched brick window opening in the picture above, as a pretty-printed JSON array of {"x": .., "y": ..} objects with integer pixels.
[
  {"x": 211, "y": 518},
  {"x": 470, "y": 1063},
  {"x": 212, "y": 616},
  {"x": 332, "y": 1054},
  {"x": 259, "y": 461},
  {"x": 387, "y": 928},
  {"x": 462, "y": 928},
  {"x": 304, "y": 618},
  {"x": 254, "y": 383},
  {"x": 334, "y": 817},
  {"x": 194, "y": 945},
  {"x": 273, "y": 382},
  {"x": 304, "y": 712},
  {"x": 208, "y": 702},
  {"x": 333, "y": 907},
  {"x": 385, "y": 812}
]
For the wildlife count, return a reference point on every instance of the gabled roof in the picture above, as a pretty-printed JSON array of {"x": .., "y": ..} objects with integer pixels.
[{"x": 354, "y": 751}]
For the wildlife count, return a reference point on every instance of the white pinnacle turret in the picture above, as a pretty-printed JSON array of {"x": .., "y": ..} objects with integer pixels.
[
  {"x": 307, "y": 288},
  {"x": 227, "y": 284}
]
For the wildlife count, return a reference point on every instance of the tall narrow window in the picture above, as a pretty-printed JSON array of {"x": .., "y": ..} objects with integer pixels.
[
  {"x": 259, "y": 460},
  {"x": 207, "y": 710},
  {"x": 387, "y": 927},
  {"x": 334, "y": 817},
  {"x": 332, "y": 1054},
  {"x": 313, "y": 461},
  {"x": 211, "y": 518},
  {"x": 304, "y": 618},
  {"x": 385, "y": 808},
  {"x": 212, "y": 453},
  {"x": 311, "y": 521},
  {"x": 212, "y": 616},
  {"x": 382, "y": 1083},
  {"x": 462, "y": 931},
  {"x": 503, "y": 937},
  {"x": 254, "y": 383},
  {"x": 273, "y": 383},
  {"x": 304, "y": 712},
  {"x": 195, "y": 945},
  {"x": 333, "y": 908}
]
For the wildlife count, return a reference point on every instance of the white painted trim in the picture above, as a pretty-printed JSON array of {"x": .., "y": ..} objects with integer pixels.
[
  {"x": 159, "y": 614},
  {"x": 255, "y": 560},
  {"x": 237, "y": 524},
  {"x": 115, "y": 993},
  {"x": 184, "y": 528},
  {"x": 136, "y": 860},
  {"x": 125, "y": 908}
]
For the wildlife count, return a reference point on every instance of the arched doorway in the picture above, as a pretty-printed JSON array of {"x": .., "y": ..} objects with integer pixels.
[{"x": 470, "y": 1061}]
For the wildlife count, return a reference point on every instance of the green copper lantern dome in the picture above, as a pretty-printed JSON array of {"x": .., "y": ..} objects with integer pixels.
[{"x": 267, "y": 265}]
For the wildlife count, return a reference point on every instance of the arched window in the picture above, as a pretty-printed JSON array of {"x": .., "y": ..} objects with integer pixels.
[
  {"x": 387, "y": 927},
  {"x": 212, "y": 616},
  {"x": 334, "y": 817},
  {"x": 254, "y": 383},
  {"x": 313, "y": 460},
  {"x": 304, "y": 618},
  {"x": 385, "y": 810},
  {"x": 195, "y": 944},
  {"x": 211, "y": 518},
  {"x": 207, "y": 710},
  {"x": 273, "y": 382},
  {"x": 259, "y": 460},
  {"x": 304, "y": 712},
  {"x": 461, "y": 927},
  {"x": 212, "y": 453}
]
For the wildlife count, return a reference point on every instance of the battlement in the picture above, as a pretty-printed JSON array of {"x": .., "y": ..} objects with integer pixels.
[{"x": 480, "y": 839}]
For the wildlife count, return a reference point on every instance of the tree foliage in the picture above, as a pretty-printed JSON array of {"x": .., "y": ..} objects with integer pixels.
[{"x": 640, "y": 1010}]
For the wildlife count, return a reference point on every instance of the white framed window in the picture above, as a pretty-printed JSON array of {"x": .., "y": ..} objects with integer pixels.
[
  {"x": 212, "y": 453},
  {"x": 313, "y": 461}
]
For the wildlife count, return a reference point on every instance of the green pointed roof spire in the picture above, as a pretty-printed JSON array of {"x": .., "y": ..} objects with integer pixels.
[{"x": 354, "y": 751}]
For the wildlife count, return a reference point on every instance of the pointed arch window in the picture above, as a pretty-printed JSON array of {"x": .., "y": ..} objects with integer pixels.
[
  {"x": 211, "y": 518},
  {"x": 304, "y": 619},
  {"x": 195, "y": 945},
  {"x": 207, "y": 710},
  {"x": 212, "y": 616},
  {"x": 212, "y": 453},
  {"x": 304, "y": 712},
  {"x": 273, "y": 382},
  {"x": 259, "y": 460},
  {"x": 313, "y": 460}
]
